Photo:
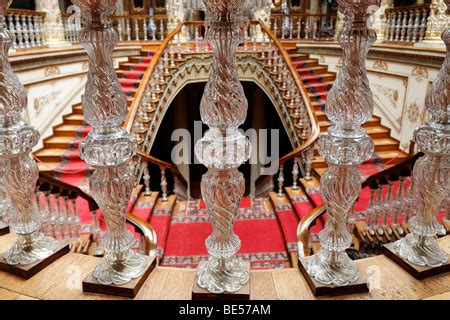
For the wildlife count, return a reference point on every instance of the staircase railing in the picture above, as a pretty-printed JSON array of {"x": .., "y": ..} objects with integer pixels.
[
  {"x": 27, "y": 27},
  {"x": 302, "y": 156},
  {"x": 384, "y": 219},
  {"x": 407, "y": 24},
  {"x": 58, "y": 203},
  {"x": 295, "y": 26},
  {"x": 133, "y": 27},
  {"x": 148, "y": 163},
  {"x": 141, "y": 27},
  {"x": 267, "y": 53}
]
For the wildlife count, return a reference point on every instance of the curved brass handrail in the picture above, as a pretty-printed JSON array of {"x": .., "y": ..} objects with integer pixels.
[
  {"x": 303, "y": 230},
  {"x": 148, "y": 232},
  {"x": 163, "y": 165},
  {"x": 315, "y": 129},
  {"x": 305, "y": 224},
  {"x": 147, "y": 76}
]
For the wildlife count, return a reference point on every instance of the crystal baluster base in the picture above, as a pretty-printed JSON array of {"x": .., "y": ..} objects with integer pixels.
[
  {"x": 421, "y": 250},
  {"x": 332, "y": 267},
  {"x": 222, "y": 275},
  {"x": 30, "y": 248},
  {"x": 120, "y": 268}
]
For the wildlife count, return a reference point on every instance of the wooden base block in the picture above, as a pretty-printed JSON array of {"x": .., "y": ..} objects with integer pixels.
[
  {"x": 128, "y": 290},
  {"x": 4, "y": 229},
  {"x": 320, "y": 289},
  {"x": 203, "y": 294},
  {"x": 29, "y": 270},
  {"x": 418, "y": 272}
]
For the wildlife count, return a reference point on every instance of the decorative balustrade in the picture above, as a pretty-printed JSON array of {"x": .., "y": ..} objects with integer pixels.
[
  {"x": 380, "y": 215},
  {"x": 141, "y": 27},
  {"x": 303, "y": 26},
  {"x": 27, "y": 27},
  {"x": 60, "y": 204},
  {"x": 407, "y": 24}
]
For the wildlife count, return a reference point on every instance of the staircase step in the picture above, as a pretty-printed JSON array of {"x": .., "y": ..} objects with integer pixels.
[
  {"x": 312, "y": 71},
  {"x": 306, "y": 63},
  {"x": 74, "y": 119},
  {"x": 66, "y": 130},
  {"x": 324, "y": 77},
  {"x": 48, "y": 167},
  {"x": 58, "y": 142},
  {"x": 319, "y": 87},
  {"x": 77, "y": 109},
  {"x": 50, "y": 155},
  {"x": 133, "y": 66},
  {"x": 298, "y": 56}
]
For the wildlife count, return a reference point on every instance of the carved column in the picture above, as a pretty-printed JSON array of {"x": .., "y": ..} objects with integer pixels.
[
  {"x": 223, "y": 149},
  {"x": 380, "y": 19},
  {"x": 431, "y": 173},
  {"x": 437, "y": 22},
  {"x": 349, "y": 105},
  {"x": 18, "y": 171},
  {"x": 53, "y": 25},
  {"x": 108, "y": 148}
]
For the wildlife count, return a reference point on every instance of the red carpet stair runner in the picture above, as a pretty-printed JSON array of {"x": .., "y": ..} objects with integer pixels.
[
  {"x": 60, "y": 153},
  {"x": 59, "y": 156}
]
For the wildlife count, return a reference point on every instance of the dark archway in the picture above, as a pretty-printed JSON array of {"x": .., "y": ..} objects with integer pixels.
[{"x": 184, "y": 111}]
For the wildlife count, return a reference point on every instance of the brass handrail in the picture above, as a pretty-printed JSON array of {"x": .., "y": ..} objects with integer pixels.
[{"x": 303, "y": 230}]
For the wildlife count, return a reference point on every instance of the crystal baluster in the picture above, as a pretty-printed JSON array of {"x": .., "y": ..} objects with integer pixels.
[
  {"x": 128, "y": 27},
  {"x": 12, "y": 30},
  {"x": 223, "y": 109},
  {"x": 108, "y": 149},
  {"x": 349, "y": 105},
  {"x": 144, "y": 29},
  {"x": 146, "y": 177},
  {"x": 398, "y": 204},
  {"x": 387, "y": 208},
  {"x": 19, "y": 33},
  {"x": 18, "y": 171},
  {"x": 423, "y": 24},
  {"x": 32, "y": 31},
  {"x": 119, "y": 29},
  {"x": 26, "y": 36},
  {"x": 431, "y": 174},
  {"x": 416, "y": 28},
  {"x": 295, "y": 172},
  {"x": 281, "y": 181},
  {"x": 39, "y": 40},
  {"x": 164, "y": 185}
]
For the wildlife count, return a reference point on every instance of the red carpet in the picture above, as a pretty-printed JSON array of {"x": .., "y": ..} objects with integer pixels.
[{"x": 263, "y": 243}]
